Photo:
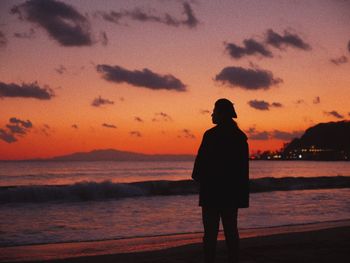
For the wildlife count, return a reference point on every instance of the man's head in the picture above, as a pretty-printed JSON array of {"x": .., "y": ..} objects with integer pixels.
[{"x": 223, "y": 111}]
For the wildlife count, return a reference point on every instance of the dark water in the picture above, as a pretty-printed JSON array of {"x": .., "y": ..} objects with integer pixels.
[{"x": 70, "y": 219}]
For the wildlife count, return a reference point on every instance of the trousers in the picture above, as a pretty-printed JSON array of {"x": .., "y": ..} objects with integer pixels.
[{"x": 211, "y": 220}]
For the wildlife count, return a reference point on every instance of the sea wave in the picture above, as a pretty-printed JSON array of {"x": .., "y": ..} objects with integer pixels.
[{"x": 88, "y": 191}]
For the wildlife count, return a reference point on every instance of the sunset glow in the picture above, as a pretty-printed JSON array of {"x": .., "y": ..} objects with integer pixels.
[{"x": 155, "y": 68}]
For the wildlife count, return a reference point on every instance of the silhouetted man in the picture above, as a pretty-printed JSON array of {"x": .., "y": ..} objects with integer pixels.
[{"x": 222, "y": 170}]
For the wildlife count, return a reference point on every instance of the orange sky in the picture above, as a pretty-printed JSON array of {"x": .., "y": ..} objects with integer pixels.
[{"x": 193, "y": 52}]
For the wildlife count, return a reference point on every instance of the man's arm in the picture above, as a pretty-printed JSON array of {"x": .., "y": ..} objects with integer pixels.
[
  {"x": 244, "y": 178},
  {"x": 200, "y": 159}
]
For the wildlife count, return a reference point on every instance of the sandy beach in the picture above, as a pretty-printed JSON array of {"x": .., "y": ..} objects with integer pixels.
[{"x": 320, "y": 242}]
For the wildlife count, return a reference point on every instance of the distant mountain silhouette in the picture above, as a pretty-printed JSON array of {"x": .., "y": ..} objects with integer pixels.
[
  {"x": 332, "y": 137},
  {"x": 116, "y": 155}
]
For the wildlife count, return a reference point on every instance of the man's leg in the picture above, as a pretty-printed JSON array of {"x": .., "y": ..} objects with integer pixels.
[
  {"x": 211, "y": 220},
  {"x": 229, "y": 222}
]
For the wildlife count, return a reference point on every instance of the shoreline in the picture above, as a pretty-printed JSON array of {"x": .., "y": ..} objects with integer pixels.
[{"x": 152, "y": 244}]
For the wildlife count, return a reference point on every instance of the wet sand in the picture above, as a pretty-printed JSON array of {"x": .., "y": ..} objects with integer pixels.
[{"x": 320, "y": 242}]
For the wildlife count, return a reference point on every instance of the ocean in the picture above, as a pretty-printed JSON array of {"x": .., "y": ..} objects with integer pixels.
[{"x": 52, "y": 202}]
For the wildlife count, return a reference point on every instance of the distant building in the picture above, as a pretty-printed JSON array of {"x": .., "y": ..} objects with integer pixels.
[
  {"x": 305, "y": 153},
  {"x": 267, "y": 155},
  {"x": 314, "y": 153}
]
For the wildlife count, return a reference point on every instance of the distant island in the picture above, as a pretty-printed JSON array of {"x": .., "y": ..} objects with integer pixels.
[
  {"x": 324, "y": 142},
  {"x": 116, "y": 155}
]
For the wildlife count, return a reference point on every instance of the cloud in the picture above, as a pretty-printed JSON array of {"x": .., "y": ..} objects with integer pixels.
[
  {"x": 104, "y": 38},
  {"x": 46, "y": 129},
  {"x": 186, "y": 133},
  {"x": 74, "y": 126},
  {"x": 99, "y": 101},
  {"x": 112, "y": 16},
  {"x": 16, "y": 127},
  {"x": 339, "y": 61},
  {"x": 334, "y": 114},
  {"x": 249, "y": 79},
  {"x": 61, "y": 21},
  {"x": 276, "y": 104},
  {"x": 288, "y": 39},
  {"x": 73, "y": 71},
  {"x": 316, "y": 100},
  {"x": 204, "y": 112},
  {"x": 259, "y": 104},
  {"x": 161, "y": 116},
  {"x": 191, "y": 20},
  {"x": 261, "y": 136},
  {"x": 143, "y": 16},
  {"x": 30, "y": 90},
  {"x": 3, "y": 39},
  {"x": 109, "y": 125},
  {"x": 138, "y": 119},
  {"x": 7, "y": 136},
  {"x": 61, "y": 69},
  {"x": 25, "y": 35},
  {"x": 253, "y": 134},
  {"x": 263, "y": 105},
  {"x": 25, "y": 124},
  {"x": 135, "y": 134},
  {"x": 300, "y": 101},
  {"x": 145, "y": 78},
  {"x": 285, "y": 136},
  {"x": 251, "y": 47}
]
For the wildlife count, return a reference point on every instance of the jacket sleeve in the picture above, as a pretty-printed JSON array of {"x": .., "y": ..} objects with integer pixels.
[
  {"x": 244, "y": 178},
  {"x": 199, "y": 162}
]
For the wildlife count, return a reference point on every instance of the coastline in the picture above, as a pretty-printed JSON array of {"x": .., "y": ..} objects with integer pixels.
[{"x": 323, "y": 235}]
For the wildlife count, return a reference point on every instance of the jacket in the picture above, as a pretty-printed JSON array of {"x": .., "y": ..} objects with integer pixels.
[{"x": 222, "y": 168}]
